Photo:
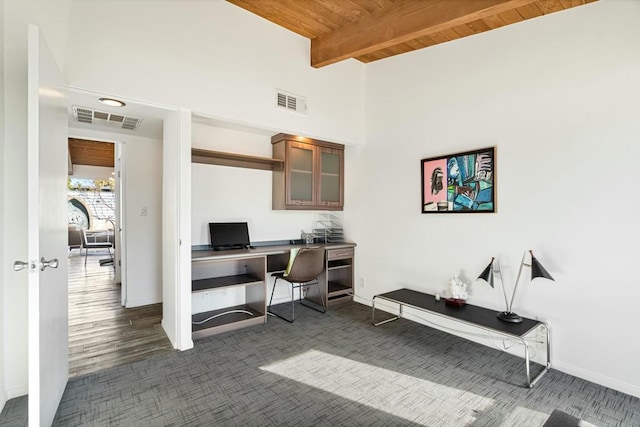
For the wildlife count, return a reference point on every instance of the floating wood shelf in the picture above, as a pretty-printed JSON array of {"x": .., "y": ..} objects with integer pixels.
[{"x": 237, "y": 160}]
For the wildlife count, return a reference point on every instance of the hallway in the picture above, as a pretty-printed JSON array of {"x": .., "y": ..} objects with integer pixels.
[{"x": 102, "y": 333}]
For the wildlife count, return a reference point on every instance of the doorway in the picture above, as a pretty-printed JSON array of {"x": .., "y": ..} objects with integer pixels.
[{"x": 103, "y": 332}]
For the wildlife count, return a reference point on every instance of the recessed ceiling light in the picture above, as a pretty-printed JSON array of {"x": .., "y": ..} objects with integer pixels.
[{"x": 112, "y": 102}]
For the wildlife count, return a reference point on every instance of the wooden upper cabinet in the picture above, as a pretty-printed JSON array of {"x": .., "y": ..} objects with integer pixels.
[{"x": 313, "y": 174}]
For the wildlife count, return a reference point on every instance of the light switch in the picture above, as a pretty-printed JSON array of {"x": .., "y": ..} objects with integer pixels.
[{"x": 143, "y": 211}]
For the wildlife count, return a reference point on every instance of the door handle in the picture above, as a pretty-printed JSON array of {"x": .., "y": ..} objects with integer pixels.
[
  {"x": 52, "y": 263},
  {"x": 21, "y": 265}
]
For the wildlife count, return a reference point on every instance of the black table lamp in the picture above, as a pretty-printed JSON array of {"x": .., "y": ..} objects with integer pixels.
[{"x": 537, "y": 270}]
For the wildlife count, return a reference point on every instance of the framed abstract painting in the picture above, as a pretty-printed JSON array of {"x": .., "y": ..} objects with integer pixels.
[{"x": 459, "y": 182}]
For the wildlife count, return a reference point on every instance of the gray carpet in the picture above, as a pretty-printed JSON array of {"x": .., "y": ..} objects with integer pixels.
[{"x": 331, "y": 370}]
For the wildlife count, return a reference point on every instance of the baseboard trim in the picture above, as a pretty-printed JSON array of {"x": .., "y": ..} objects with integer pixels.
[
  {"x": 17, "y": 391},
  {"x": 3, "y": 399},
  {"x": 164, "y": 328},
  {"x": 143, "y": 302},
  {"x": 596, "y": 378},
  {"x": 183, "y": 345}
]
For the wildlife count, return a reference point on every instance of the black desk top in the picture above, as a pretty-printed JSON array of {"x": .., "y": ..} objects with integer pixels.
[{"x": 472, "y": 314}]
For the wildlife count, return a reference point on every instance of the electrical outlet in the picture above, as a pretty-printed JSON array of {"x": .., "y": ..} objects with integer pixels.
[
  {"x": 143, "y": 211},
  {"x": 363, "y": 282}
]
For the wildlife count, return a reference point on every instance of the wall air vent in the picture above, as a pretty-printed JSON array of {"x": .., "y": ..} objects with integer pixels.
[
  {"x": 290, "y": 102},
  {"x": 103, "y": 118}
]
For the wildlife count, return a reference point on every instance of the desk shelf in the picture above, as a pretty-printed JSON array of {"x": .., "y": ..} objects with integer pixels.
[
  {"x": 334, "y": 265},
  {"x": 225, "y": 322},
  {"x": 339, "y": 276},
  {"x": 337, "y": 292},
  {"x": 210, "y": 277},
  {"x": 224, "y": 282}
]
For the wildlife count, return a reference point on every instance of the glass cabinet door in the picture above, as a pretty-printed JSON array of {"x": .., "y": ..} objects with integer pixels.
[
  {"x": 301, "y": 171},
  {"x": 331, "y": 166}
]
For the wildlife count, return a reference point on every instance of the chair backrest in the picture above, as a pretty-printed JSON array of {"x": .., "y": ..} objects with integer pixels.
[
  {"x": 75, "y": 236},
  {"x": 96, "y": 238},
  {"x": 308, "y": 265}
]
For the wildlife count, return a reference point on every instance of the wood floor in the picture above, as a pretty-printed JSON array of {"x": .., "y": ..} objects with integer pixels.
[{"x": 102, "y": 333}]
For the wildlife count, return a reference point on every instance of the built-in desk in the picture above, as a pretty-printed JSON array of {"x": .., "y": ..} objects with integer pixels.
[
  {"x": 249, "y": 269},
  {"x": 468, "y": 314}
]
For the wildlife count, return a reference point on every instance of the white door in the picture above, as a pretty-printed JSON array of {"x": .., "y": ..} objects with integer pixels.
[
  {"x": 47, "y": 231},
  {"x": 120, "y": 252}
]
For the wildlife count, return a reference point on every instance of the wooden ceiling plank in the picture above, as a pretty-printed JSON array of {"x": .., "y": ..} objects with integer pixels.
[
  {"x": 478, "y": 26},
  {"x": 549, "y": 6},
  {"x": 529, "y": 11},
  {"x": 310, "y": 12},
  {"x": 463, "y": 30},
  {"x": 405, "y": 20},
  {"x": 273, "y": 11},
  {"x": 367, "y": 7},
  {"x": 571, "y": 3},
  {"x": 371, "y": 57},
  {"x": 439, "y": 37},
  {"x": 450, "y": 34},
  {"x": 494, "y": 22},
  {"x": 426, "y": 41},
  {"x": 347, "y": 10},
  {"x": 511, "y": 16},
  {"x": 381, "y": 3},
  {"x": 325, "y": 14}
]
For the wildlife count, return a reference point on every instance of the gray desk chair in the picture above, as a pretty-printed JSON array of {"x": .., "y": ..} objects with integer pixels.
[
  {"x": 303, "y": 272},
  {"x": 74, "y": 238},
  {"x": 95, "y": 240}
]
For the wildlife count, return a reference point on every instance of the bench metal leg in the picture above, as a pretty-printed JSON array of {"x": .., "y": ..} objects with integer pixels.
[
  {"x": 373, "y": 314},
  {"x": 531, "y": 383}
]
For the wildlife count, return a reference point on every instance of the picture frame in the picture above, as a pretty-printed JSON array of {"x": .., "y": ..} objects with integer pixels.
[{"x": 459, "y": 182}]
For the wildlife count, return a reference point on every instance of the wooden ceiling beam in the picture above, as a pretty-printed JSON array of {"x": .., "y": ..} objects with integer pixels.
[{"x": 403, "y": 21}]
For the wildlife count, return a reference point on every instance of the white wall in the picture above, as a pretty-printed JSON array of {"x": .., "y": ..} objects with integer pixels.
[
  {"x": 223, "y": 193},
  {"x": 143, "y": 190},
  {"x": 559, "y": 98},
  {"x": 92, "y": 172},
  {"x": 143, "y": 234},
  {"x": 212, "y": 58},
  {"x": 51, "y": 16}
]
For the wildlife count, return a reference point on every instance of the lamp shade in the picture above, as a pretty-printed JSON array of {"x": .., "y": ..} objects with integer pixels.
[
  {"x": 537, "y": 270},
  {"x": 487, "y": 274}
]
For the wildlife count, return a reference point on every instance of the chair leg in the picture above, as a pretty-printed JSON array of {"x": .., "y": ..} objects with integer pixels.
[
  {"x": 293, "y": 303},
  {"x": 272, "y": 291},
  {"x": 86, "y": 252},
  {"x": 324, "y": 309},
  {"x": 277, "y": 314}
]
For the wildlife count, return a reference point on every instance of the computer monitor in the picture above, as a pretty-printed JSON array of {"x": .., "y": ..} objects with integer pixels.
[{"x": 229, "y": 235}]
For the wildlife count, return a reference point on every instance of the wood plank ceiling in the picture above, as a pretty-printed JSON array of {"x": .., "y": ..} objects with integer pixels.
[
  {"x": 369, "y": 30},
  {"x": 91, "y": 153}
]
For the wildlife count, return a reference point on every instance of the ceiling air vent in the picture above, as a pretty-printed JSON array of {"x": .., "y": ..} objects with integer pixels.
[
  {"x": 291, "y": 102},
  {"x": 102, "y": 118},
  {"x": 83, "y": 115}
]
